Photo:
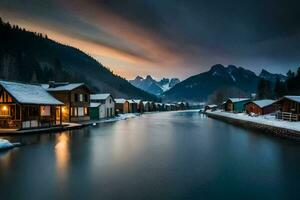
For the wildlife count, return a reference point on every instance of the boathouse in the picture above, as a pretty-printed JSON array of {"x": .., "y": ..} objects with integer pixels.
[
  {"x": 146, "y": 106},
  {"x": 24, "y": 106},
  {"x": 236, "y": 104},
  {"x": 133, "y": 106},
  {"x": 140, "y": 105},
  {"x": 106, "y": 109},
  {"x": 260, "y": 107},
  {"x": 76, "y": 99},
  {"x": 288, "y": 108},
  {"x": 122, "y": 106},
  {"x": 211, "y": 107}
]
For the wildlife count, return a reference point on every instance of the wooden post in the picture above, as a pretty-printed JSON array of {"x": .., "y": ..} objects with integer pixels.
[{"x": 60, "y": 115}]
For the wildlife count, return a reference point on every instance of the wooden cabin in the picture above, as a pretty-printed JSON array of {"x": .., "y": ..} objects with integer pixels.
[
  {"x": 211, "y": 107},
  {"x": 25, "y": 106},
  {"x": 140, "y": 105},
  {"x": 122, "y": 106},
  {"x": 76, "y": 99},
  {"x": 260, "y": 107},
  {"x": 182, "y": 105},
  {"x": 236, "y": 104},
  {"x": 288, "y": 108},
  {"x": 107, "y": 107},
  {"x": 146, "y": 105},
  {"x": 133, "y": 106}
]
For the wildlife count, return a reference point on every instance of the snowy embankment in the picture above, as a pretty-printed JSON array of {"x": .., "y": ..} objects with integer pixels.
[
  {"x": 5, "y": 144},
  {"x": 269, "y": 120},
  {"x": 122, "y": 117}
]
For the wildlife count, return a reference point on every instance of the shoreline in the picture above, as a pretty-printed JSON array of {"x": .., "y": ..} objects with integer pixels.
[{"x": 261, "y": 127}]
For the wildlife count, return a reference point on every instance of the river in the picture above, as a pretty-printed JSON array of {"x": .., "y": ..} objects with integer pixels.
[{"x": 171, "y": 155}]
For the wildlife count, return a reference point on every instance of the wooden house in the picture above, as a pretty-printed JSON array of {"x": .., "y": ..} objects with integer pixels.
[
  {"x": 76, "y": 99},
  {"x": 260, "y": 107},
  {"x": 288, "y": 108},
  {"x": 107, "y": 107},
  {"x": 133, "y": 106},
  {"x": 168, "y": 107},
  {"x": 140, "y": 105},
  {"x": 122, "y": 106},
  {"x": 211, "y": 107},
  {"x": 236, "y": 104},
  {"x": 24, "y": 106},
  {"x": 146, "y": 105}
]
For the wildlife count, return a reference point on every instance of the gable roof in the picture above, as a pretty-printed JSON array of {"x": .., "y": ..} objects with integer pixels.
[
  {"x": 120, "y": 100},
  {"x": 100, "y": 96},
  {"x": 29, "y": 94},
  {"x": 66, "y": 87},
  {"x": 263, "y": 103},
  {"x": 94, "y": 105},
  {"x": 292, "y": 98},
  {"x": 138, "y": 101},
  {"x": 235, "y": 100},
  {"x": 131, "y": 101}
]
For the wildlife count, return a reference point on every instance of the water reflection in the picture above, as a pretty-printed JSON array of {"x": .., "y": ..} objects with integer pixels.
[{"x": 62, "y": 154}]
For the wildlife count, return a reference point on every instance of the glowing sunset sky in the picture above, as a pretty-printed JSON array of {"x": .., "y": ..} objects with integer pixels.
[{"x": 169, "y": 38}]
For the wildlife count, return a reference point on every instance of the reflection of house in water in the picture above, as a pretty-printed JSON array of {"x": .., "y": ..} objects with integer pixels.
[{"x": 25, "y": 106}]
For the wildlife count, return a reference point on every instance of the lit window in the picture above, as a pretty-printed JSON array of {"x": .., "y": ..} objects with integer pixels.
[{"x": 81, "y": 97}]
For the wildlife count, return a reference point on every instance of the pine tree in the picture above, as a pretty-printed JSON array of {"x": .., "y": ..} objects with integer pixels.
[{"x": 264, "y": 89}]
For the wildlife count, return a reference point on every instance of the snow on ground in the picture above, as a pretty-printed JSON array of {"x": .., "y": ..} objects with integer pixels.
[
  {"x": 122, "y": 117},
  {"x": 264, "y": 119},
  {"x": 5, "y": 144}
]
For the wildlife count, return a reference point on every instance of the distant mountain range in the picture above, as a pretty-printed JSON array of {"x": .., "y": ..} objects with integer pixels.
[
  {"x": 32, "y": 57},
  {"x": 152, "y": 86},
  {"x": 237, "y": 80}
]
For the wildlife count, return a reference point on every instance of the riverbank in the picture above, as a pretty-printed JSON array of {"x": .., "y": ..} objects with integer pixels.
[{"x": 267, "y": 124}]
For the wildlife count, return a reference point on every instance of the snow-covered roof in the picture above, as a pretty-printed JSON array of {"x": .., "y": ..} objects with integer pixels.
[
  {"x": 99, "y": 96},
  {"x": 212, "y": 105},
  {"x": 263, "y": 103},
  {"x": 66, "y": 87},
  {"x": 120, "y": 100},
  {"x": 131, "y": 101},
  {"x": 293, "y": 98},
  {"x": 138, "y": 101},
  {"x": 94, "y": 105},
  {"x": 145, "y": 102},
  {"x": 235, "y": 100},
  {"x": 29, "y": 94}
]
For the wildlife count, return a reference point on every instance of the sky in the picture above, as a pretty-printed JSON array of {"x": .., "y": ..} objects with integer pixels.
[{"x": 169, "y": 38}]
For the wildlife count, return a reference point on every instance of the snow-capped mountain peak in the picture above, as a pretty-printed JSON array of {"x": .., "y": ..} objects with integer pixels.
[{"x": 152, "y": 86}]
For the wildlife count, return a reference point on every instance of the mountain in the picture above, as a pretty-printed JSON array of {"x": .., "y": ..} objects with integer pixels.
[
  {"x": 272, "y": 77},
  {"x": 152, "y": 86},
  {"x": 236, "y": 81},
  {"x": 33, "y": 57}
]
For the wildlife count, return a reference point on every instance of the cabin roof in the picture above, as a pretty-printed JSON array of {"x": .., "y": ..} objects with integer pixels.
[
  {"x": 263, "y": 103},
  {"x": 131, "y": 101},
  {"x": 212, "y": 105},
  {"x": 66, "y": 87},
  {"x": 138, "y": 101},
  {"x": 94, "y": 105},
  {"x": 100, "y": 96},
  {"x": 293, "y": 98},
  {"x": 29, "y": 93},
  {"x": 120, "y": 100},
  {"x": 235, "y": 100}
]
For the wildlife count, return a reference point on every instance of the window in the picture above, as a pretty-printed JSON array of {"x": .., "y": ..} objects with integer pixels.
[
  {"x": 86, "y": 111},
  {"x": 109, "y": 100},
  {"x": 45, "y": 110},
  {"x": 86, "y": 98},
  {"x": 81, "y": 97},
  {"x": 80, "y": 111},
  {"x": 74, "y": 111}
]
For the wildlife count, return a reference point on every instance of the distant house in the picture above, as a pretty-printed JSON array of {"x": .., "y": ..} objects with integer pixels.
[
  {"x": 236, "y": 104},
  {"x": 260, "y": 107},
  {"x": 24, "y": 106},
  {"x": 76, "y": 99},
  {"x": 146, "y": 106},
  {"x": 107, "y": 107},
  {"x": 211, "y": 107},
  {"x": 160, "y": 106},
  {"x": 152, "y": 106},
  {"x": 140, "y": 105},
  {"x": 122, "y": 106},
  {"x": 288, "y": 108},
  {"x": 182, "y": 105},
  {"x": 168, "y": 107},
  {"x": 133, "y": 106}
]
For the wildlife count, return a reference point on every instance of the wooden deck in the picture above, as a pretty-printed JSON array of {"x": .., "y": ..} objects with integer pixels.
[{"x": 287, "y": 116}]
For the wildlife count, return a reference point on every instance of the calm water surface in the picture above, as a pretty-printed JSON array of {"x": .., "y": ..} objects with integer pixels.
[{"x": 174, "y": 155}]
